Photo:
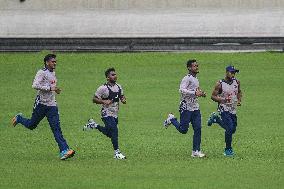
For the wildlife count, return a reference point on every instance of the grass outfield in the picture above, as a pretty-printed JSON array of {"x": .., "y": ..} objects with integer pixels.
[{"x": 157, "y": 158}]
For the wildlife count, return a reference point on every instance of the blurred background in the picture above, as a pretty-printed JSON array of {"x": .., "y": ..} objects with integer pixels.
[{"x": 126, "y": 25}]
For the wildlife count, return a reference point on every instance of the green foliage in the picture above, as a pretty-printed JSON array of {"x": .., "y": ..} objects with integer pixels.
[{"x": 157, "y": 157}]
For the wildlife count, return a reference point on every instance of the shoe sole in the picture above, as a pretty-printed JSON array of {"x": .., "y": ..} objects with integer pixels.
[
  {"x": 198, "y": 156},
  {"x": 69, "y": 155},
  {"x": 211, "y": 120},
  {"x": 229, "y": 155},
  {"x": 166, "y": 125},
  {"x": 119, "y": 158},
  {"x": 209, "y": 124},
  {"x": 14, "y": 121}
]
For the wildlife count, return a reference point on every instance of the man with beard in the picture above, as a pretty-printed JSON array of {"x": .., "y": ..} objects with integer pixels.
[
  {"x": 109, "y": 95},
  {"x": 189, "y": 108},
  {"x": 227, "y": 93},
  {"x": 45, "y": 105}
]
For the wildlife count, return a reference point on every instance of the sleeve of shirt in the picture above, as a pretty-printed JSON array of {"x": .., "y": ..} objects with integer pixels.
[
  {"x": 38, "y": 83},
  {"x": 183, "y": 86},
  {"x": 101, "y": 92}
]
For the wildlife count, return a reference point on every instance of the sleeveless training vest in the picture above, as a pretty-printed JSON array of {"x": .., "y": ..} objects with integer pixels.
[{"x": 229, "y": 91}]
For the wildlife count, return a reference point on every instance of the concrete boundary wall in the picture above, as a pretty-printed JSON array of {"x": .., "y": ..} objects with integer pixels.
[
  {"x": 148, "y": 23},
  {"x": 135, "y": 4},
  {"x": 141, "y": 19},
  {"x": 142, "y": 44}
]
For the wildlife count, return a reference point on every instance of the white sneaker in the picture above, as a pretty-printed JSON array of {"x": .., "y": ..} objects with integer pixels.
[
  {"x": 119, "y": 155},
  {"x": 198, "y": 154},
  {"x": 90, "y": 125},
  {"x": 168, "y": 122}
]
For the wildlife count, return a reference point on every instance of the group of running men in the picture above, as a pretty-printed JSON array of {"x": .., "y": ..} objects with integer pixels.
[{"x": 226, "y": 93}]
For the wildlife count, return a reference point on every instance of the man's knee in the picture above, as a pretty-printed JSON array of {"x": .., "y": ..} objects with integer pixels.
[
  {"x": 197, "y": 130},
  {"x": 32, "y": 126},
  {"x": 114, "y": 133},
  {"x": 109, "y": 135},
  {"x": 231, "y": 130},
  {"x": 183, "y": 130}
]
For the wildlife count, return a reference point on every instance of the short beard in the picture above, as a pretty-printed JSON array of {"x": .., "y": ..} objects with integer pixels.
[{"x": 113, "y": 81}]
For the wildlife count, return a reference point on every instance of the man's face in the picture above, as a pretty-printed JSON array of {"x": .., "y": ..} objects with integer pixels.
[
  {"x": 112, "y": 77},
  {"x": 51, "y": 63},
  {"x": 194, "y": 68},
  {"x": 230, "y": 75}
]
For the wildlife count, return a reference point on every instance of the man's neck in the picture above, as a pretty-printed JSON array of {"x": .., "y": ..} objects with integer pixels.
[
  {"x": 228, "y": 80},
  {"x": 50, "y": 69},
  {"x": 191, "y": 73},
  {"x": 110, "y": 83}
]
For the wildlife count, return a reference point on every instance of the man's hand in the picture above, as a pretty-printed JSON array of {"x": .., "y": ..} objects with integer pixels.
[
  {"x": 200, "y": 93},
  {"x": 56, "y": 89},
  {"x": 239, "y": 103},
  {"x": 123, "y": 100}
]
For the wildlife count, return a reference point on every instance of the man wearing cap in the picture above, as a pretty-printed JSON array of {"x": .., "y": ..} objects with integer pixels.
[
  {"x": 227, "y": 93},
  {"x": 45, "y": 105}
]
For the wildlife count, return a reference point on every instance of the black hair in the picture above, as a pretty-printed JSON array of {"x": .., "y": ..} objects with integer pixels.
[
  {"x": 108, "y": 71},
  {"x": 48, "y": 57},
  {"x": 189, "y": 62}
]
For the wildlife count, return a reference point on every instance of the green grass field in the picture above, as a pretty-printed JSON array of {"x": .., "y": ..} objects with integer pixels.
[{"x": 157, "y": 158}]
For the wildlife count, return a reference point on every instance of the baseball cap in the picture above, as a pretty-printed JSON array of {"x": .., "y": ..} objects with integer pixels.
[{"x": 232, "y": 69}]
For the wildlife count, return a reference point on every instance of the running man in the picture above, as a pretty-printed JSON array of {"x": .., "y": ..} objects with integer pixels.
[
  {"x": 45, "y": 105},
  {"x": 189, "y": 108},
  {"x": 227, "y": 93},
  {"x": 109, "y": 95}
]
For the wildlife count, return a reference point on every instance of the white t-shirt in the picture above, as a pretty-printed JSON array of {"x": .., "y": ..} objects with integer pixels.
[
  {"x": 43, "y": 82},
  {"x": 187, "y": 89}
]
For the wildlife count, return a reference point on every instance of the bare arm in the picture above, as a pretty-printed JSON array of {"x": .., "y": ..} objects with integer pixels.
[
  {"x": 56, "y": 89},
  {"x": 200, "y": 93},
  {"x": 240, "y": 94},
  {"x": 123, "y": 99},
  {"x": 97, "y": 100},
  {"x": 215, "y": 93}
]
